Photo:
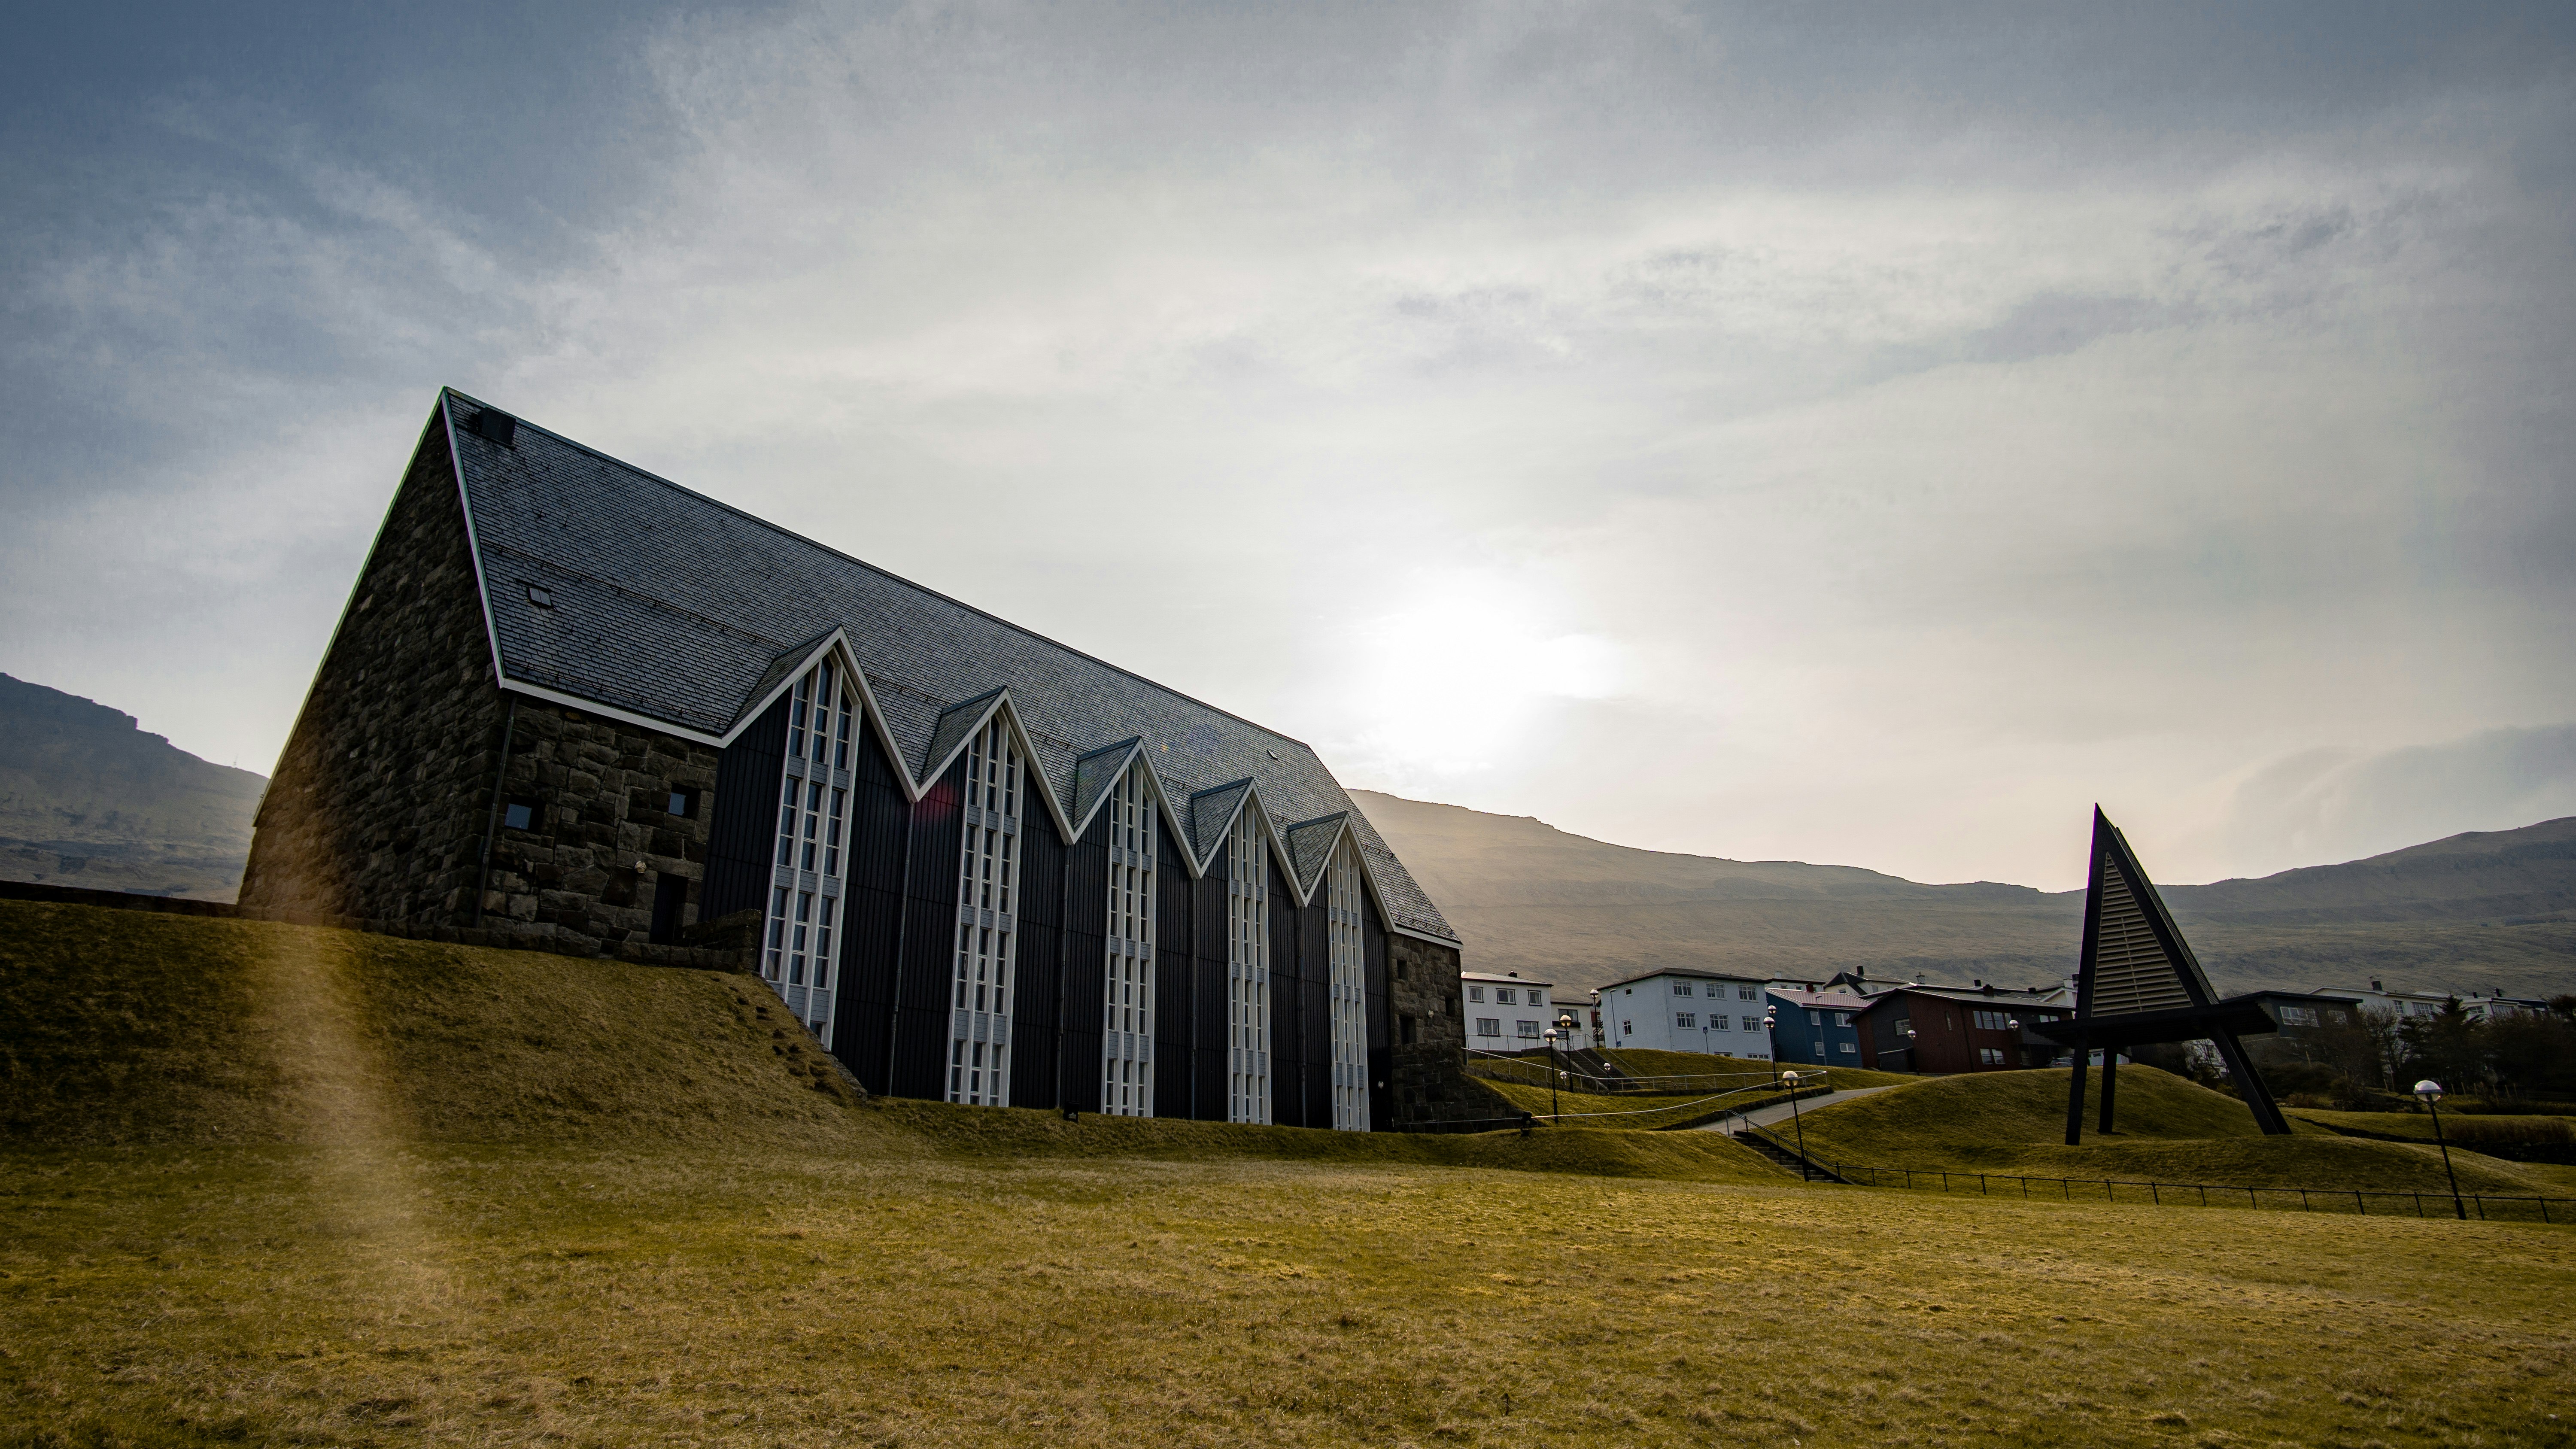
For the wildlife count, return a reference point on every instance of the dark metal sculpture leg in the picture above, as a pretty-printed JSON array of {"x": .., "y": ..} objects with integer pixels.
[
  {"x": 2075, "y": 1101},
  {"x": 2249, "y": 1085}
]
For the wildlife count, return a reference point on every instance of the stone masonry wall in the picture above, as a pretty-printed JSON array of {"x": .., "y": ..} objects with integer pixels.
[
  {"x": 377, "y": 814},
  {"x": 601, "y": 788},
  {"x": 374, "y": 810},
  {"x": 1432, "y": 1088}
]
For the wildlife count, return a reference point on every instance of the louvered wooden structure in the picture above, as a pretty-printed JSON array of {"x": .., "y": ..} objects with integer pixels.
[{"x": 2139, "y": 983}]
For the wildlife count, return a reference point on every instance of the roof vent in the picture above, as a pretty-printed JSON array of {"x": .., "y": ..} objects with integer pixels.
[
  {"x": 542, "y": 597},
  {"x": 498, "y": 426}
]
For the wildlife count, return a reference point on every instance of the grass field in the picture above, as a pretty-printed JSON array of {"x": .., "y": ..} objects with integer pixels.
[
  {"x": 2167, "y": 1129},
  {"x": 270, "y": 1185}
]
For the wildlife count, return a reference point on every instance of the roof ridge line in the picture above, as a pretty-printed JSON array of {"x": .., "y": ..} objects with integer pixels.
[{"x": 880, "y": 570}]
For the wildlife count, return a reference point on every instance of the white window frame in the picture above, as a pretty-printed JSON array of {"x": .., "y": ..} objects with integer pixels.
[
  {"x": 1347, "y": 991},
  {"x": 1127, "y": 1007},
  {"x": 1247, "y": 903},
  {"x": 808, "y": 871},
  {"x": 988, "y": 880}
]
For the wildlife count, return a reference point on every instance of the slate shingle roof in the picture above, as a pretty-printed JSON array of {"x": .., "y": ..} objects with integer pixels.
[{"x": 676, "y": 608}]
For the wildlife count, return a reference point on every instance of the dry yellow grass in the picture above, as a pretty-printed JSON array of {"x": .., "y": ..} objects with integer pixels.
[{"x": 769, "y": 1264}]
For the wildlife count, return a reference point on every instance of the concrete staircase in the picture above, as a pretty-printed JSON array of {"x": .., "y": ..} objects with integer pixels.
[{"x": 1786, "y": 1157}]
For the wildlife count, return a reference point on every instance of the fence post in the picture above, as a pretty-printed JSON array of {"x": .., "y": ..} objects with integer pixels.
[
  {"x": 2155, "y": 1195},
  {"x": 2303, "y": 1199},
  {"x": 2544, "y": 1209},
  {"x": 2204, "y": 1197},
  {"x": 2358, "y": 1205}
]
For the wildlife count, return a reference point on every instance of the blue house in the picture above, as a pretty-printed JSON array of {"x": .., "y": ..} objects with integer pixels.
[{"x": 1817, "y": 1026}]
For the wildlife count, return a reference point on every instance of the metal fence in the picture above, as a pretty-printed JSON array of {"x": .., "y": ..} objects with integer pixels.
[{"x": 2487, "y": 1207}]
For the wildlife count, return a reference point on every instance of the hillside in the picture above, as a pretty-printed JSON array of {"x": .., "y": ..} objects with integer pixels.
[
  {"x": 2476, "y": 912},
  {"x": 88, "y": 799}
]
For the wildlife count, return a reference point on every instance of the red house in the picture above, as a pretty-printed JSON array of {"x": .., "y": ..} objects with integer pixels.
[{"x": 1943, "y": 1030}]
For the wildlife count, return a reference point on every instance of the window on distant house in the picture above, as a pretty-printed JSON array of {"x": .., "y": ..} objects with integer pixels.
[
  {"x": 2298, "y": 1016},
  {"x": 1717, "y": 1023},
  {"x": 1627, "y": 1028},
  {"x": 1815, "y": 1018},
  {"x": 1530, "y": 1029},
  {"x": 520, "y": 814},
  {"x": 1503, "y": 996},
  {"x": 1681, "y": 988},
  {"x": 1851, "y": 1046},
  {"x": 1747, "y": 993},
  {"x": 1476, "y": 994},
  {"x": 1686, "y": 1021},
  {"x": 1489, "y": 1026},
  {"x": 1990, "y": 1056},
  {"x": 1842, "y": 1018}
]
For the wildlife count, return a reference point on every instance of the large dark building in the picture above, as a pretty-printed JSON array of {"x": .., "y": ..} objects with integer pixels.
[{"x": 576, "y": 707}]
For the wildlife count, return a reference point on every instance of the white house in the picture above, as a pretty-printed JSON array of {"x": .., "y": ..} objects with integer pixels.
[
  {"x": 1681, "y": 1010},
  {"x": 1506, "y": 1012}
]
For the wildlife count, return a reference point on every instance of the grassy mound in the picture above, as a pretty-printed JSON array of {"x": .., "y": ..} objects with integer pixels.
[
  {"x": 123, "y": 1026},
  {"x": 2168, "y": 1130},
  {"x": 120, "y": 1027},
  {"x": 1693, "y": 1067},
  {"x": 2523, "y": 1131}
]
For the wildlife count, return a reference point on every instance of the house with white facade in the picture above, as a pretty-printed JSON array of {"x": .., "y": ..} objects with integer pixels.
[
  {"x": 1505, "y": 1012},
  {"x": 1678, "y": 1009}
]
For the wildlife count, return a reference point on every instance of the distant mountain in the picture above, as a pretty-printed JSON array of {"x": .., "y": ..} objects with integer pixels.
[
  {"x": 88, "y": 799},
  {"x": 2478, "y": 912}
]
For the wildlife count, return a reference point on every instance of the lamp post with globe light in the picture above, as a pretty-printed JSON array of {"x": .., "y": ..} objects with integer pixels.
[
  {"x": 2431, "y": 1092},
  {"x": 1790, "y": 1079},
  {"x": 1771, "y": 1033},
  {"x": 1549, "y": 1036}
]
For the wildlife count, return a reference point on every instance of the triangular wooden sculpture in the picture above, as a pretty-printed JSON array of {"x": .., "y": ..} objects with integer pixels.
[{"x": 2139, "y": 983}]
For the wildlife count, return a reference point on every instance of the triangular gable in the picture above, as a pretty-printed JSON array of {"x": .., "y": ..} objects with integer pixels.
[
  {"x": 1310, "y": 849},
  {"x": 957, "y": 724},
  {"x": 781, "y": 673},
  {"x": 2135, "y": 959},
  {"x": 1212, "y": 815},
  {"x": 1095, "y": 775}
]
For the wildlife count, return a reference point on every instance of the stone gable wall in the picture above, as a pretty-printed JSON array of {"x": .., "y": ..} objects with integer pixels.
[
  {"x": 374, "y": 811},
  {"x": 1432, "y": 1088},
  {"x": 381, "y": 803}
]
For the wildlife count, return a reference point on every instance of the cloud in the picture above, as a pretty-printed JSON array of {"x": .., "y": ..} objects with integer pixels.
[
  {"x": 2341, "y": 803},
  {"x": 1870, "y": 441}
]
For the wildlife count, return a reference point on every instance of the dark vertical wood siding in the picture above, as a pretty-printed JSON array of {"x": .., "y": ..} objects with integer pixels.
[
  {"x": 1208, "y": 1029},
  {"x": 742, "y": 829},
  {"x": 1381, "y": 1022},
  {"x": 1288, "y": 1025},
  {"x": 880, "y": 822},
  {"x": 1175, "y": 979},
  {"x": 1036, "y": 973},
  {"x": 1315, "y": 1007},
  {"x": 920, "y": 1066},
  {"x": 1086, "y": 962}
]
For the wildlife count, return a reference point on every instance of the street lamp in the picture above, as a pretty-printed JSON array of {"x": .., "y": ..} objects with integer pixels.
[
  {"x": 1791, "y": 1078},
  {"x": 2431, "y": 1092},
  {"x": 1597, "y": 1043},
  {"x": 2013, "y": 1024},
  {"x": 1771, "y": 1034},
  {"x": 1549, "y": 1036}
]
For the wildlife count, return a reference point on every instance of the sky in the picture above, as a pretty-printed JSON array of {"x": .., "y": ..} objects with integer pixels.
[{"x": 1867, "y": 435}]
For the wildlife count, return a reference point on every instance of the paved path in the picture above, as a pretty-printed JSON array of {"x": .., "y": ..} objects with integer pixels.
[{"x": 1765, "y": 1116}]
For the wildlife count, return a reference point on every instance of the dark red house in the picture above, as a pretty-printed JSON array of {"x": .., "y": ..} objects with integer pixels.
[{"x": 1943, "y": 1030}]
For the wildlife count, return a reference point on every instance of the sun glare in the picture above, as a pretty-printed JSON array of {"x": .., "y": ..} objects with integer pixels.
[{"x": 1460, "y": 674}]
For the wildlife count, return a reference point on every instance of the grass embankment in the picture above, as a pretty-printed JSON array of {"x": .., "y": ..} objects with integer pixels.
[
  {"x": 1627, "y": 1111},
  {"x": 1690, "y": 1068},
  {"x": 208, "y": 1031},
  {"x": 788, "y": 1266},
  {"x": 2460, "y": 1129},
  {"x": 2167, "y": 1130}
]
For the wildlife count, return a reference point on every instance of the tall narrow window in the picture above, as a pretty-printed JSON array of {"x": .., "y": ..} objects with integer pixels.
[
  {"x": 1348, "y": 990},
  {"x": 806, "y": 878},
  {"x": 1127, "y": 1021},
  {"x": 1247, "y": 975},
  {"x": 979, "y": 1037}
]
